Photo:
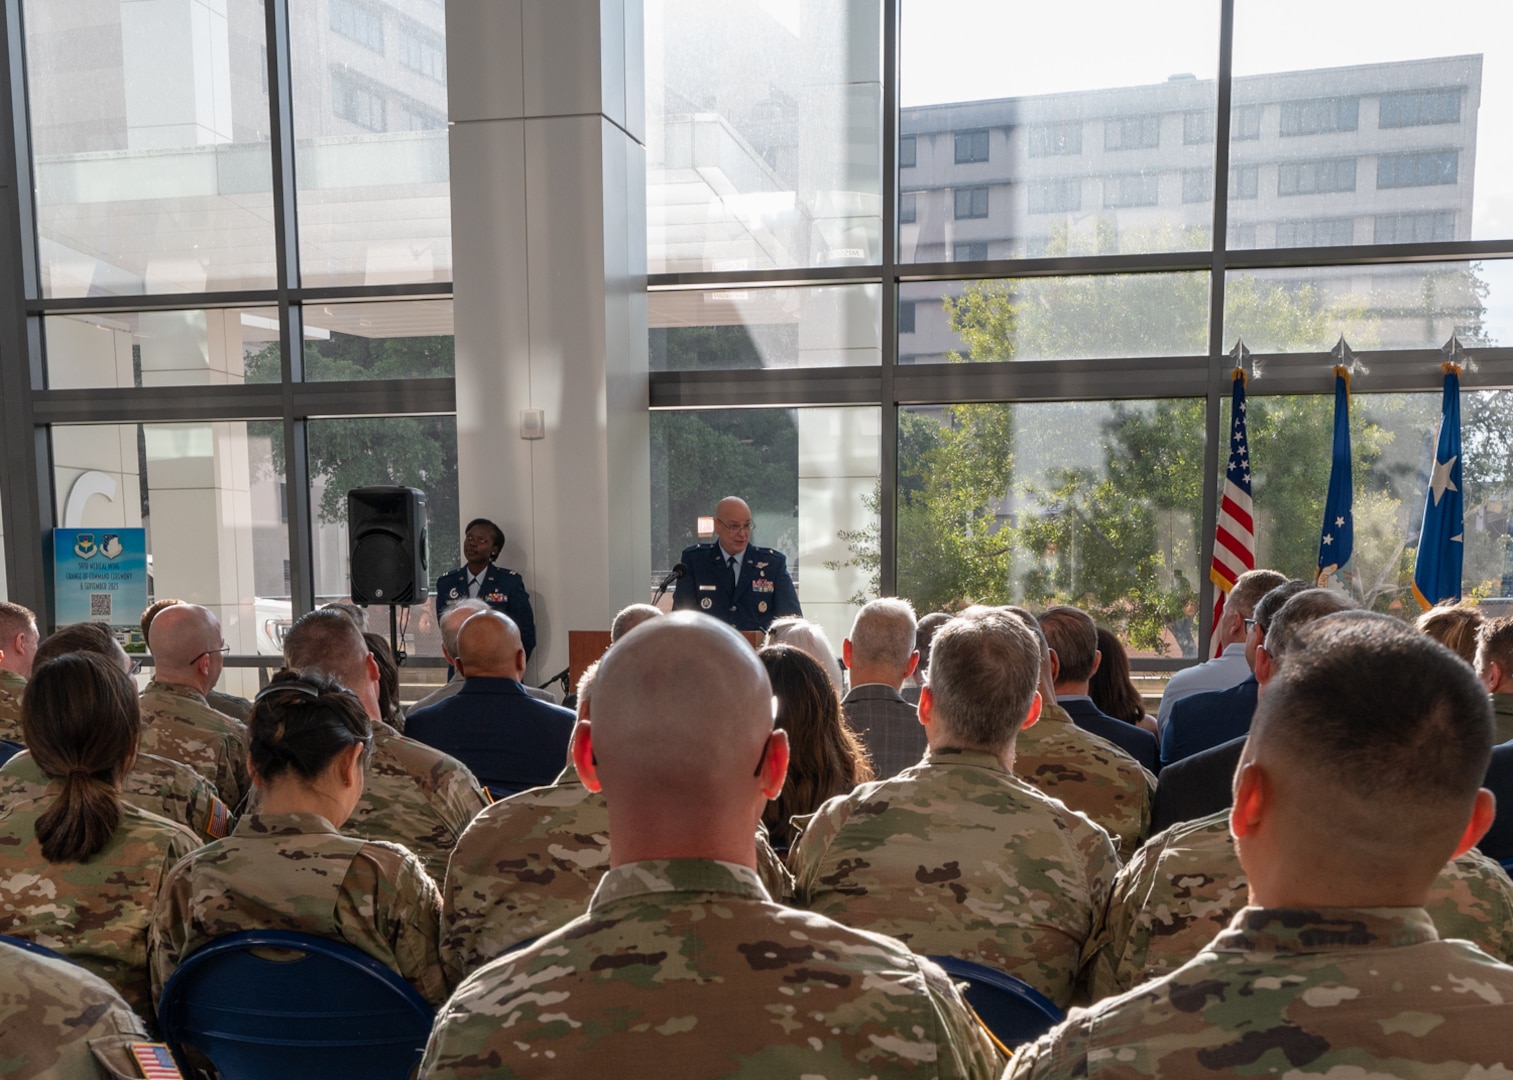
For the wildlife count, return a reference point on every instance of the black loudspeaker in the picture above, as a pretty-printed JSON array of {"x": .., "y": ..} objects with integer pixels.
[{"x": 387, "y": 531}]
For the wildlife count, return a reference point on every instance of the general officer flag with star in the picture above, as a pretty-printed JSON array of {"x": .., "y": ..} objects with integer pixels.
[
  {"x": 1441, "y": 542},
  {"x": 1337, "y": 537}
]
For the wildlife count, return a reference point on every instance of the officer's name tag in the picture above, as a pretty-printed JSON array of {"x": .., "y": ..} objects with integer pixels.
[
  {"x": 762, "y": 585},
  {"x": 708, "y": 588}
]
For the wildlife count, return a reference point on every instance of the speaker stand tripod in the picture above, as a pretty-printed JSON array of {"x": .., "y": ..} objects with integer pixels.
[{"x": 395, "y": 645}]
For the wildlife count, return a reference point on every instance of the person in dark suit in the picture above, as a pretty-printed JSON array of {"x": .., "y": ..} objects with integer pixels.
[
  {"x": 730, "y": 579},
  {"x": 478, "y": 578},
  {"x": 1498, "y": 843},
  {"x": 1073, "y": 637},
  {"x": 508, "y": 739},
  {"x": 880, "y": 655}
]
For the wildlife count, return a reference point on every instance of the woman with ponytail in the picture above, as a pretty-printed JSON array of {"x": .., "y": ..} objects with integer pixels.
[
  {"x": 80, "y": 869},
  {"x": 287, "y": 867}
]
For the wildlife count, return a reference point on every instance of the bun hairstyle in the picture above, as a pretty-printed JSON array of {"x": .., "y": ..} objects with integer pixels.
[
  {"x": 81, "y": 721},
  {"x": 301, "y": 721}
]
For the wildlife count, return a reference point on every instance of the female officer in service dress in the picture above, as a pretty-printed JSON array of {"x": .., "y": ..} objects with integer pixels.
[
  {"x": 80, "y": 869},
  {"x": 479, "y": 579},
  {"x": 285, "y": 867}
]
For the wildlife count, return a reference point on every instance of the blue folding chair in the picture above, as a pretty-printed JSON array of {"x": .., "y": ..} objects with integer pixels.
[
  {"x": 1013, "y": 1010},
  {"x": 316, "y": 1008},
  {"x": 1507, "y": 864},
  {"x": 9, "y": 750},
  {"x": 33, "y": 947}
]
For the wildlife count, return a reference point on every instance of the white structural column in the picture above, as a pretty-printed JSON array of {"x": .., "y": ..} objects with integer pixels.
[{"x": 549, "y": 246}]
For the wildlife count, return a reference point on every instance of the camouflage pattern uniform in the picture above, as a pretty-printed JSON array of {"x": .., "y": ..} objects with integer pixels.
[
  {"x": 1088, "y": 773},
  {"x": 417, "y": 797},
  {"x": 12, "y": 686},
  {"x": 1337, "y": 992},
  {"x": 529, "y": 864},
  {"x": 95, "y": 913},
  {"x": 1187, "y": 883},
  {"x": 157, "y": 785},
  {"x": 685, "y": 968},
  {"x": 59, "y": 1022},
  {"x": 295, "y": 872},
  {"x": 178, "y": 724},
  {"x": 958, "y": 857},
  {"x": 238, "y": 708}
]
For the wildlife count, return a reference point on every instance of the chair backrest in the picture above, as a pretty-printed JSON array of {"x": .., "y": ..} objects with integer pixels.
[
  {"x": 9, "y": 750},
  {"x": 315, "y": 1007},
  {"x": 1013, "y": 1010},
  {"x": 32, "y": 947},
  {"x": 1507, "y": 864}
]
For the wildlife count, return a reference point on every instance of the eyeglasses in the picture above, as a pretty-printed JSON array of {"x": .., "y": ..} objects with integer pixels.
[
  {"x": 737, "y": 527},
  {"x": 1250, "y": 624},
  {"x": 135, "y": 669},
  {"x": 223, "y": 650}
]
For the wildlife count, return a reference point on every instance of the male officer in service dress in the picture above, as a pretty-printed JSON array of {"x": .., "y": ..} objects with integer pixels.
[
  {"x": 732, "y": 580},
  {"x": 479, "y": 579}
]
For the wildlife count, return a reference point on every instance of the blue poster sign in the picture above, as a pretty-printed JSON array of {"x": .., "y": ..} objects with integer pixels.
[{"x": 100, "y": 575}]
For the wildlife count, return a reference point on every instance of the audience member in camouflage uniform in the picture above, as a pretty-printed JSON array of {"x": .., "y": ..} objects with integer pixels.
[
  {"x": 412, "y": 795},
  {"x": 1186, "y": 885},
  {"x": 1083, "y": 770},
  {"x": 79, "y": 870},
  {"x": 957, "y": 856},
  {"x": 188, "y": 651},
  {"x": 18, "y": 644},
  {"x": 230, "y": 705},
  {"x": 683, "y": 966},
  {"x": 1359, "y": 781},
  {"x": 287, "y": 868},
  {"x": 59, "y": 1022}
]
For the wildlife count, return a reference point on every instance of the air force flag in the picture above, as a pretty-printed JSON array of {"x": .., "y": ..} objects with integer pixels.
[
  {"x": 1441, "y": 543},
  {"x": 1337, "y": 537}
]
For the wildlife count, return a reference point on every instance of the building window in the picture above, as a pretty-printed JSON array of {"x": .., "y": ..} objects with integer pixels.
[
  {"x": 422, "y": 51},
  {"x": 408, "y": 115},
  {"x": 1131, "y": 189},
  {"x": 971, "y": 146},
  {"x": 357, "y": 102},
  {"x": 907, "y": 208},
  {"x": 358, "y": 22},
  {"x": 1198, "y": 126},
  {"x": 1433, "y": 227},
  {"x": 1320, "y": 116},
  {"x": 906, "y": 316},
  {"x": 1417, "y": 170},
  {"x": 1132, "y": 133},
  {"x": 1055, "y": 196},
  {"x": 1197, "y": 185},
  {"x": 1242, "y": 181},
  {"x": 906, "y": 152},
  {"x": 971, "y": 202},
  {"x": 1242, "y": 237},
  {"x": 1316, "y": 177},
  {"x": 1056, "y": 140},
  {"x": 1327, "y": 232},
  {"x": 976, "y": 251},
  {"x": 1416, "y": 108},
  {"x": 1244, "y": 123}
]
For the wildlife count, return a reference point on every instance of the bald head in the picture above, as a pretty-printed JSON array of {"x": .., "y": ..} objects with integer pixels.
[
  {"x": 681, "y": 711},
  {"x": 488, "y": 647},
  {"x": 732, "y": 524},
  {"x": 186, "y": 644}
]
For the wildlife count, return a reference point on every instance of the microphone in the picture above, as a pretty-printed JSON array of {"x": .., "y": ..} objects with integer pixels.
[{"x": 677, "y": 572}]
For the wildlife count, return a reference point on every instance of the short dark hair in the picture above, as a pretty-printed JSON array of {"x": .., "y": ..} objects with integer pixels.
[
  {"x": 1386, "y": 713},
  {"x": 924, "y": 635},
  {"x": 300, "y": 721},
  {"x": 388, "y": 675},
  {"x": 1073, "y": 634},
  {"x": 486, "y": 523},
  {"x": 1494, "y": 644},
  {"x": 1267, "y": 607},
  {"x": 85, "y": 637},
  {"x": 324, "y": 640}
]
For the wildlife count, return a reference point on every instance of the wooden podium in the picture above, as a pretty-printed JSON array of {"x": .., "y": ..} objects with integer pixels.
[{"x": 586, "y": 646}]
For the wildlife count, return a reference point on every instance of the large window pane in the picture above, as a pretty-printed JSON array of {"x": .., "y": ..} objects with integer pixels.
[
  {"x": 414, "y": 451},
  {"x": 370, "y": 127},
  {"x": 211, "y": 496},
  {"x": 150, "y": 136},
  {"x": 1096, "y": 504},
  {"x": 1409, "y": 306},
  {"x": 386, "y": 340},
  {"x": 811, "y": 478},
  {"x": 763, "y": 134},
  {"x": 198, "y": 347},
  {"x": 1365, "y": 120},
  {"x": 1078, "y": 143},
  {"x": 826, "y": 326},
  {"x": 1070, "y": 318}
]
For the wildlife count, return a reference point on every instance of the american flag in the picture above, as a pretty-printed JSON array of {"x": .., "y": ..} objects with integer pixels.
[
  {"x": 155, "y": 1061},
  {"x": 1235, "y": 538}
]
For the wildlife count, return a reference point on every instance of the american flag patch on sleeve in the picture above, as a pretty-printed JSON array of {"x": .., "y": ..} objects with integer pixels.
[{"x": 155, "y": 1061}]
